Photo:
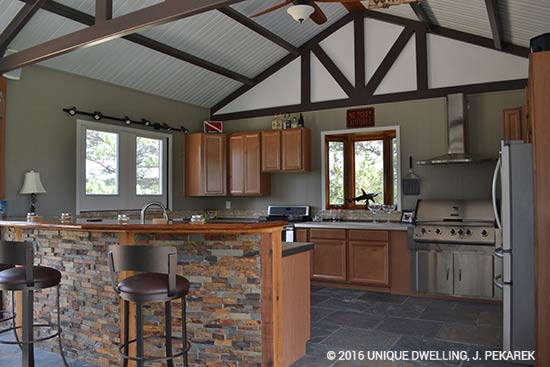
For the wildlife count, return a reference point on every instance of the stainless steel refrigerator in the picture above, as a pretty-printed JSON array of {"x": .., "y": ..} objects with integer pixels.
[{"x": 515, "y": 219}]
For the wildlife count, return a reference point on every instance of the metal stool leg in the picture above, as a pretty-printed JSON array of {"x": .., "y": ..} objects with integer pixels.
[
  {"x": 59, "y": 329},
  {"x": 168, "y": 328},
  {"x": 28, "y": 334},
  {"x": 184, "y": 330},
  {"x": 126, "y": 311},
  {"x": 139, "y": 334},
  {"x": 14, "y": 321}
]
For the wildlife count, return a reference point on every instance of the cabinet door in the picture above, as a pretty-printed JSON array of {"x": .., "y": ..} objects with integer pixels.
[
  {"x": 252, "y": 165},
  {"x": 301, "y": 235},
  {"x": 329, "y": 260},
  {"x": 434, "y": 271},
  {"x": 513, "y": 124},
  {"x": 292, "y": 150},
  {"x": 214, "y": 164},
  {"x": 236, "y": 164},
  {"x": 473, "y": 275},
  {"x": 369, "y": 263},
  {"x": 271, "y": 151}
]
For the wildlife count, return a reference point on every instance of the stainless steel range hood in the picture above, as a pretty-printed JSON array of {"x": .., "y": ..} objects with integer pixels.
[{"x": 457, "y": 153}]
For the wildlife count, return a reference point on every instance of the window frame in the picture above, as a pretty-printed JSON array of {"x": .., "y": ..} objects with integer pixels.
[
  {"x": 127, "y": 198},
  {"x": 349, "y": 137}
]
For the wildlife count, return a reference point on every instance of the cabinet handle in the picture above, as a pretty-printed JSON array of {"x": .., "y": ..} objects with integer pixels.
[
  {"x": 447, "y": 273},
  {"x": 460, "y": 275}
]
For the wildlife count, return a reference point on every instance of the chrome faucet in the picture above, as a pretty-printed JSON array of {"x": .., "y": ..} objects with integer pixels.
[{"x": 153, "y": 203}]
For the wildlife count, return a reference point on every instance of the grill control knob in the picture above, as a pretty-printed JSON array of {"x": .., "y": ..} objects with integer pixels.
[
  {"x": 423, "y": 230},
  {"x": 453, "y": 232},
  {"x": 468, "y": 232},
  {"x": 484, "y": 233},
  {"x": 438, "y": 231},
  {"x": 460, "y": 232}
]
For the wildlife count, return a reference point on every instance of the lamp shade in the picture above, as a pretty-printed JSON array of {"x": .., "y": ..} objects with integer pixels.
[
  {"x": 32, "y": 184},
  {"x": 300, "y": 12}
]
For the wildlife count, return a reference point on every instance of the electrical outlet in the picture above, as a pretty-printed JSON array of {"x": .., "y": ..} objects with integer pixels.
[{"x": 228, "y": 204}]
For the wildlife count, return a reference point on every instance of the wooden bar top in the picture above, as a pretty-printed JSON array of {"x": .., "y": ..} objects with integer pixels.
[{"x": 151, "y": 228}]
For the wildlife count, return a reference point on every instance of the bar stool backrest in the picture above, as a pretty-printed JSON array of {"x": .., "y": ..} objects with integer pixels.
[
  {"x": 19, "y": 253},
  {"x": 144, "y": 259}
]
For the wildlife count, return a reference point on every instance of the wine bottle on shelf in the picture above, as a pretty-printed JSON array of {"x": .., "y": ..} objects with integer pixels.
[
  {"x": 280, "y": 122},
  {"x": 294, "y": 122},
  {"x": 274, "y": 122},
  {"x": 288, "y": 122},
  {"x": 301, "y": 120}
]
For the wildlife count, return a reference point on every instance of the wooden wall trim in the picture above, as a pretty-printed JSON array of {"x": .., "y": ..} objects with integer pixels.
[
  {"x": 305, "y": 97},
  {"x": 495, "y": 22},
  {"x": 421, "y": 60},
  {"x": 3, "y": 114},
  {"x": 359, "y": 47}
]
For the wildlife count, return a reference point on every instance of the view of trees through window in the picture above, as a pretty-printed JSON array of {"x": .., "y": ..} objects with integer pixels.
[
  {"x": 148, "y": 166},
  {"x": 101, "y": 163},
  {"x": 356, "y": 162}
]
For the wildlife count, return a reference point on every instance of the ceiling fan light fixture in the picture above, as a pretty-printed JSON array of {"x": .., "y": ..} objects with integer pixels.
[{"x": 300, "y": 12}]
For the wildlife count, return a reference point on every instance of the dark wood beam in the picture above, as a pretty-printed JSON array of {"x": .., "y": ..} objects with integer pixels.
[
  {"x": 18, "y": 22},
  {"x": 164, "y": 12},
  {"x": 305, "y": 77},
  {"x": 494, "y": 20},
  {"x": 359, "y": 41},
  {"x": 103, "y": 10},
  {"x": 378, "y": 99},
  {"x": 421, "y": 15},
  {"x": 83, "y": 18},
  {"x": 421, "y": 60},
  {"x": 264, "y": 32},
  {"x": 334, "y": 71},
  {"x": 388, "y": 61}
]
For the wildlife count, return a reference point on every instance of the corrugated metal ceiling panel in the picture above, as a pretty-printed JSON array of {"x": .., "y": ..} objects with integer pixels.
[
  {"x": 120, "y": 7},
  {"x": 404, "y": 11},
  {"x": 523, "y": 20},
  {"x": 217, "y": 38},
  {"x": 280, "y": 23},
  {"x": 8, "y": 9},
  {"x": 124, "y": 63}
]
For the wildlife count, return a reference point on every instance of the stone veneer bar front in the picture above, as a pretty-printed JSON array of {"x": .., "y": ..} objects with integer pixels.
[{"x": 234, "y": 304}]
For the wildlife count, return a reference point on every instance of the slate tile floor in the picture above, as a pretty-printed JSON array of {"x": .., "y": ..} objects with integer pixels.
[{"x": 359, "y": 320}]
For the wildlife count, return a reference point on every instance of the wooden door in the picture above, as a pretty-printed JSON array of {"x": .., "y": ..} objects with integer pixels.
[
  {"x": 236, "y": 164},
  {"x": 292, "y": 150},
  {"x": 512, "y": 121},
  {"x": 368, "y": 263},
  {"x": 329, "y": 255},
  {"x": 271, "y": 151},
  {"x": 214, "y": 147}
]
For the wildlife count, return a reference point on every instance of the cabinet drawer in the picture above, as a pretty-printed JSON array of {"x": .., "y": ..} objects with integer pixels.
[
  {"x": 368, "y": 235},
  {"x": 331, "y": 234}
]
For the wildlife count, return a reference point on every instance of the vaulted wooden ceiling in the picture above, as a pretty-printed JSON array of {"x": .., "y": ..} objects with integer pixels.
[{"x": 204, "y": 58}]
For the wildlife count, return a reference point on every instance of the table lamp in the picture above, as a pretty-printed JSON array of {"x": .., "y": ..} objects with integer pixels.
[{"x": 32, "y": 185}]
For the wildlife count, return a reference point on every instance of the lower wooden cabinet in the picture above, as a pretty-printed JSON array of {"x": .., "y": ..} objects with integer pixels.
[
  {"x": 369, "y": 263},
  {"x": 329, "y": 260}
]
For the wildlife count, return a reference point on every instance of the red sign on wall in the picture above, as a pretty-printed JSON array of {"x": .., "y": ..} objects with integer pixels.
[{"x": 360, "y": 117}]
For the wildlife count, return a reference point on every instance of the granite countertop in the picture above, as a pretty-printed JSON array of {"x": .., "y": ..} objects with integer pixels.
[
  {"x": 293, "y": 248},
  {"x": 381, "y": 226}
]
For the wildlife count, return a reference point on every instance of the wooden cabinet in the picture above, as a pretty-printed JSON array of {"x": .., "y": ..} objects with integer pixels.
[
  {"x": 246, "y": 177},
  {"x": 516, "y": 124},
  {"x": 329, "y": 256},
  {"x": 205, "y": 165},
  {"x": 368, "y": 257},
  {"x": 286, "y": 150}
]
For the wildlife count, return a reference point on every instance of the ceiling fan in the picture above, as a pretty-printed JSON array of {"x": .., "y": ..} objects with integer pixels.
[{"x": 302, "y": 9}]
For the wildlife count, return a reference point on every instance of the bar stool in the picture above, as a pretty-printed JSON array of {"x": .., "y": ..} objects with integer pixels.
[
  {"x": 27, "y": 278},
  {"x": 6, "y": 315},
  {"x": 156, "y": 281}
]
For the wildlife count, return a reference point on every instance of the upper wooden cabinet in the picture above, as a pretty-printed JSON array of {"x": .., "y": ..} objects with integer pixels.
[
  {"x": 205, "y": 164},
  {"x": 246, "y": 177},
  {"x": 286, "y": 150}
]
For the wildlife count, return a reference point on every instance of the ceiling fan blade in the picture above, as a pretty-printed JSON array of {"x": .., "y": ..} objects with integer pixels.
[
  {"x": 281, "y": 5},
  {"x": 318, "y": 16}
]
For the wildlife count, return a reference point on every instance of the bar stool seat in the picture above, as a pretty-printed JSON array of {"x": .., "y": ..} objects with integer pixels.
[
  {"x": 43, "y": 277},
  {"x": 151, "y": 287},
  {"x": 5, "y": 267}
]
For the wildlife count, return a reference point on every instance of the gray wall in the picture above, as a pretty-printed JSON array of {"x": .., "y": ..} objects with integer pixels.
[
  {"x": 42, "y": 137},
  {"x": 423, "y": 135}
]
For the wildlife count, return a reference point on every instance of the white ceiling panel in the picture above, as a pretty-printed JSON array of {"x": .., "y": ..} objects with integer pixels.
[
  {"x": 120, "y": 7},
  {"x": 217, "y": 38},
  {"x": 523, "y": 20},
  {"x": 124, "y": 63},
  {"x": 8, "y": 9},
  {"x": 282, "y": 24}
]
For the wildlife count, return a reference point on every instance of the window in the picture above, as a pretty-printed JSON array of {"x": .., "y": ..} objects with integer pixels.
[
  {"x": 365, "y": 159},
  {"x": 119, "y": 167}
]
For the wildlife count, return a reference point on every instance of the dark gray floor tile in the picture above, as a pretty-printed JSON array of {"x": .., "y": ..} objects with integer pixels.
[
  {"x": 343, "y": 293},
  {"x": 348, "y": 304},
  {"x": 479, "y": 353},
  {"x": 486, "y": 335},
  {"x": 360, "y": 320},
  {"x": 489, "y": 318},
  {"x": 318, "y": 290},
  {"x": 383, "y": 297},
  {"x": 442, "y": 305},
  {"x": 478, "y": 307},
  {"x": 411, "y": 327},
  {"x": 418, "y": 301},
  {"x": 405, "y": 310},
  {"x": 413, "y": 343},
  {"x": 450, "y": 316},
  {"x": 365, "y": 363},
  {"x": 316, "y": 299},
  {"x": 310, "y": 361},
  {"x": 360, "y": 339},
  {"x": 317, "y": 313},
  {"x": 320, "y": 330},
  {"x": 317, "y": 349}
]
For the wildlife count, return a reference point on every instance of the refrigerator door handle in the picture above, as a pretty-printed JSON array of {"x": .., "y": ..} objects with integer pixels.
[
  {"x": 497, "y": 281},
  {"x": 494, "y": 192},
  {"x": 499, "y": 252}
]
